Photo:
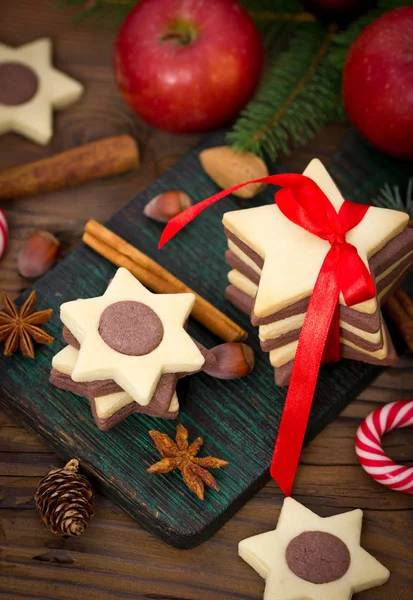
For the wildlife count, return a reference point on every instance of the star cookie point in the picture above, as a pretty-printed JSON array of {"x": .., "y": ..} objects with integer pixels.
[
  {"x": 30, "y": 88},
  {"x": 312, "y": 557}
]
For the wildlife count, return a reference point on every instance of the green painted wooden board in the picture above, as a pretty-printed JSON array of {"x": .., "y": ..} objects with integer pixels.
[{"x": 238, "y": 419}]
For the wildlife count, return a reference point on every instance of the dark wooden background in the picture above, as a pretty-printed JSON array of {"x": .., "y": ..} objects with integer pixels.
[{"x": 116, "y": 558}]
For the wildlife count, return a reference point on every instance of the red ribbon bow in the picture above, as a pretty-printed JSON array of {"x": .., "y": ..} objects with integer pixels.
[{"x": 306, "y": 205}]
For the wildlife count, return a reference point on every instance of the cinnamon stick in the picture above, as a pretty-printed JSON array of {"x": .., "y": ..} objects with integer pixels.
[
  {"x": 155, "y": 277},
  {"x": 95, "y": 160}
]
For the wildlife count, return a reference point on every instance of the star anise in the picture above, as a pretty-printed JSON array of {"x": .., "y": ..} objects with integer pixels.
[
  {"x": 18, "y": 328},
  {"x": 183, "y": 456}
]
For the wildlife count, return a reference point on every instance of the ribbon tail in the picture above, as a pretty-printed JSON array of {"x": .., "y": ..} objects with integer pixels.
[
  {"x": 180, "y": 221},
  {"x": 332, "y": 351},
  {"x": 304, "y": 376}
]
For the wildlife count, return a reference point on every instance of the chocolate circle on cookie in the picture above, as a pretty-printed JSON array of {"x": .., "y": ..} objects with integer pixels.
[
  {"x": 317, "y": 557},
  {"x": 131, "y": 328},
  {"x": 18, "y": 83}
]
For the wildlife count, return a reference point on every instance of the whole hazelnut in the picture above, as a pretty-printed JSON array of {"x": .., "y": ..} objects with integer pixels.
[
  {"x": 167, "y": 205},
  {"x": 233, "y": 361},
  {"x": 38, "y": 254}
]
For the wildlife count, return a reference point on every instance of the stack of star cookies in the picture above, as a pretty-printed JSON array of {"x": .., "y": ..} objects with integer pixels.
[
  {"x": 275, "y": 264},
  {"x": 126, "y": 351}
]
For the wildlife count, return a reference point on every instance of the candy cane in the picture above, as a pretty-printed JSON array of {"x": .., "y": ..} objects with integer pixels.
[
  {"x": 370, "y": 452},
  {"x": 3, "y": 232}
]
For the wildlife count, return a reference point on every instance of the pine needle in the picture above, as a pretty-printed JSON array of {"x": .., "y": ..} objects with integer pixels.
[
  {"x": 298, "y": 95},
  {"x": 391, "y": 197}
]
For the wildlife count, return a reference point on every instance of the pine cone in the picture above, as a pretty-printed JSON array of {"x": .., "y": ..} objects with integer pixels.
[{"x": 65, "y": 500}]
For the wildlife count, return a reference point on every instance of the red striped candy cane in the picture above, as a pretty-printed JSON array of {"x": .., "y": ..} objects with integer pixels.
[
  {"x": 370, "y": 452},
  {"x": 3, "y": 232}
]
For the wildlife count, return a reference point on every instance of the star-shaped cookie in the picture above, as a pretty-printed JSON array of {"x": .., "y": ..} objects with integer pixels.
[
  {"x": 108, "y": 402},
  {"x": 308, "y": 557},
  {"x": 30, "y": 88},
  {"x": 132, "y": 336},
  {"x": 293, "y": 256}
]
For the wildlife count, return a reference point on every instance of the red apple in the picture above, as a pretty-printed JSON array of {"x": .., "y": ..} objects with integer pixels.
[
  {"x": 188, "y": 65},
  {"x": 378, "y": 83}
]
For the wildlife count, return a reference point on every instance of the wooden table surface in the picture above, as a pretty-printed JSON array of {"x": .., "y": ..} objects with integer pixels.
[{"x": 116, "y": 558}]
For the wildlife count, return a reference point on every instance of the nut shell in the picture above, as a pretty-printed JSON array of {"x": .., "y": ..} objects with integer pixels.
[
  {"x": 167, "y": 205},
  {"x": 38, "y": 254},
  {"x": 228, "y": 167},
  {"x": 233, "y": 361}
]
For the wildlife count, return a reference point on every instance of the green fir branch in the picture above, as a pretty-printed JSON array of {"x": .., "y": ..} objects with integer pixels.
[
  {"x": 392, "y": 197},
  {"x": 300, "y": 92},
  {"x": 276, "y": 21},
  {"x": 297, "y": 96}
]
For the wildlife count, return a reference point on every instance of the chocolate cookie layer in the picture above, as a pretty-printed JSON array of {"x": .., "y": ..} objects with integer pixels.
[
  {"x": 362, "y": 321},
  {"x": 18, "y": 83},
  {"x": 254, "y": 256},
  {"x": 292, "y": 336},
  {"x": 161, "y": 398},
  {"x": 123, "y": 413},
  {"x": 395, "y": 249},
  {"x": 282, "y": 374},
  {"x": 244, "y": 302},
  {"x": 318, "y": 557},
  {"x": 93, "y": 390},
  {"x": 235, "y": 262},
  {"x": 131, "y": 328}
]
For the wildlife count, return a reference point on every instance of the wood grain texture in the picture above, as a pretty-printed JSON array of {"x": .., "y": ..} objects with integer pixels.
[{"x": 116, "y": 558}]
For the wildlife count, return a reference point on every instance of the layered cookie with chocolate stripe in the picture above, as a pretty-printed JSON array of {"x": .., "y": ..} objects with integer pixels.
[
  {"x": 127, "y": 349},
  {"x": 275, "y": 265},
  {"x": 108, "y": 402}
]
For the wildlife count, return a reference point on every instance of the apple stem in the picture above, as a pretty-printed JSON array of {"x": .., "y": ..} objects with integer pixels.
[
  {"x": 181, "y": 40},
  {"x": 180, "y": 32}
]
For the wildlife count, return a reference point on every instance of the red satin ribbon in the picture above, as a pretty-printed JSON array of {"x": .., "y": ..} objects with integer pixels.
[{"x": 306, "y": 205}]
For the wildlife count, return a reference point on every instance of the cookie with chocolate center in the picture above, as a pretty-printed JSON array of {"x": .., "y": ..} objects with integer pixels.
[{"x": 127, "y": 350}]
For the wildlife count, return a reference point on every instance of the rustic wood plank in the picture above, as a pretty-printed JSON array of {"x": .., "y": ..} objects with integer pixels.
[{"x": 20, "y": 441}]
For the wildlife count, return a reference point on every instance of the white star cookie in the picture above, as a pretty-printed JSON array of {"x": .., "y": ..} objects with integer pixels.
[
  {"x": 293, "y": 256},
  {"x": 313, "y": 558},
  {"x": 132, "y": 336},
  {"x": 30, "y": 88}
]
